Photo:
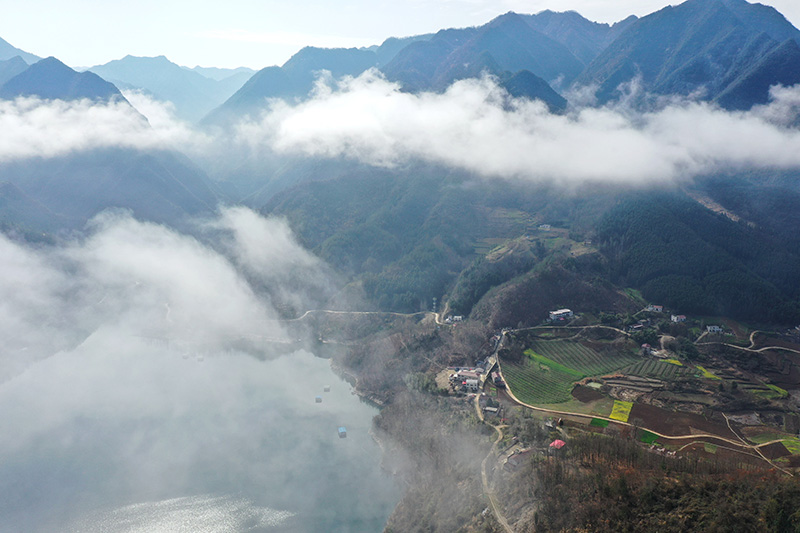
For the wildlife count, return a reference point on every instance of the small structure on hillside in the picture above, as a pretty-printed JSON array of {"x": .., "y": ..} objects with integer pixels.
[
  {"x": 647, "y": 349},
  {"x": 498, "y": 381},
  {"x": 678, "y": 318},
  {"x": 560, "y": 314},
  {"x": 318, "y": 399},
  {"x": 342, "y": 432},
  {"x": 714, "y": 329},
  {"x": 326, "y": 388},
  {"x": 654, "y": 308},
  {"x": 470, "y": 385}
]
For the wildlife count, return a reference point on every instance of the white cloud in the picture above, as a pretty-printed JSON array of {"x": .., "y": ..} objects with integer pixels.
[
  {"x": 30, "y": 127},
  {"x": 144, "y": 280},
  {"x": 475, "y": 126}
]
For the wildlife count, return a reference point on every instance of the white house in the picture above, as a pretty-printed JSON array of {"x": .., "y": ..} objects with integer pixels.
[
  {"x": 714, "y": 329},
  {"x": 560, "y": 314},
  {"x": 655, "y": 308},
  {"x": 678, "y": 318}
]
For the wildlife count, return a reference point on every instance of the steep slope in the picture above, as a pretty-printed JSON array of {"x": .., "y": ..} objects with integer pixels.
[
  {"x": 510, "y": 42},
  {"x": 515, "y": 46},
  {"x": 7, "y": 51},
  {"x": 584, "y": 38},
  {"x": 294, "y": 79},
  {"x": 159, "y": 186},
  {"x": 694, "y": 260},
  {"x": 779, "y": 66},
  {"x": 416, "y": 65},
  {"x": 525, "y": 84},
  {"x": 18, "y": 210},
  {"x": 11, "y": 67},
  {"x": 52, "y": 79},
  {"x": 699, "y": 47},
  {"x": 193, "y": 94},
  {"x": 392, "y": 46}
]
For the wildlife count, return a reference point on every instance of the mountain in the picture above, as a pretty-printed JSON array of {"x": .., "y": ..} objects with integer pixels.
[
  {"x": 11, "y": 67},
  {"x": 729, "y": 51},
  {"x": 192, "y": 93},
  {"x": 52, "y": 79},
  {"x": 18, "y": 210},
  {"x": 294, "y": 79},
  {"x": 68, "y": 190},
  {"x": 584, "y": 38},
  {"x": 525, "y": 84},
  {"x": 8, "y": 51},
  {"x": 509, "y": 40},
  {"x": 391, "y": 46},
  {"x": 220, "y": 74}
]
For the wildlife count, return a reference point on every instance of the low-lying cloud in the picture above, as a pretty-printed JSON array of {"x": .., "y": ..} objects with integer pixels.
[
  {"x": 31, "y": 127},
  {"x": 474, "y": 126},
  {"x": 144, "y": 280},
  {"x": 477, "y": 127}
]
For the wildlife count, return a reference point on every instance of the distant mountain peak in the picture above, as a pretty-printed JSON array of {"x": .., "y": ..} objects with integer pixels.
[
  {"x": 53, "y": 80},
  {"x": 7, "y": 51}
]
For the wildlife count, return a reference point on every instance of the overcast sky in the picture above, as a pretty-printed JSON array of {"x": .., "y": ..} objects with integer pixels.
[{"x": 259, "y": 33}]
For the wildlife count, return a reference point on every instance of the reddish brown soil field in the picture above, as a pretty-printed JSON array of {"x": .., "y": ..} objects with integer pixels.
[
  {"x": 764, "y": 340},
  {"x": 775, "y": 450},
  {"x": 676, "y": 423},
  {"x": 586, "y": 394}
]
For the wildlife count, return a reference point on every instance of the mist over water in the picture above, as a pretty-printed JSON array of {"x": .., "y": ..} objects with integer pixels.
[
  {"x": 224, "y": 443},
  {"x": 141, "y": 388}
]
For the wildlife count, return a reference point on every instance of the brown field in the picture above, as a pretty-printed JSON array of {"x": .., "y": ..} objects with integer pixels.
[
  {"x": 676, "y": 423},
  {"x": 586, "y": 394},
  {"x": 775, "y": 450}
]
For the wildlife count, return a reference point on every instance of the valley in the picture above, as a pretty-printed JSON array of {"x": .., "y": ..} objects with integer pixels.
[{"x": 554, "y": 263}]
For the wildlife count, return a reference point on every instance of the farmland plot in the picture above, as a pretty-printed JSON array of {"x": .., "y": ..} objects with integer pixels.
[{"x": 547, "y": 373}]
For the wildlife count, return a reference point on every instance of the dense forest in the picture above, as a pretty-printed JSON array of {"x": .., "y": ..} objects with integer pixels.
[
  {"x": 698, "y": 261},
  {"x": 604, "y": 484}
]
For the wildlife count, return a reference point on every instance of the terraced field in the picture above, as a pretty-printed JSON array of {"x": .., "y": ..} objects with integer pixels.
[
  {"x": 657, "y": 368},
  {"x": 547, "y": 373}
]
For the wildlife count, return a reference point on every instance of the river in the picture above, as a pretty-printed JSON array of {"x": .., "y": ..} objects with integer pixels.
[{"x": 152, "y": 440}]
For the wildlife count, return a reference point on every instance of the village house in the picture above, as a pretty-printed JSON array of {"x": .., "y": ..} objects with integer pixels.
[
  {"x": 655, "y": 308},
  {"x": 560, "y": 314},
  {"x": 714, "y": 329},
  {"x": 678, "y": 318}
]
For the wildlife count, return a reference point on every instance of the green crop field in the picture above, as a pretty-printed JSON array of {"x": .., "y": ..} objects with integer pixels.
[
  {"x": 647, "y": 437},
  {"x": 546, "y": 374},
  {"x": 657, "y": 368},
  {"x": 581, "y": 360}
]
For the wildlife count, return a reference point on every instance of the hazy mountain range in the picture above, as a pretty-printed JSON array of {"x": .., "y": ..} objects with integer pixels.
[{"x": 728, "y": 52}]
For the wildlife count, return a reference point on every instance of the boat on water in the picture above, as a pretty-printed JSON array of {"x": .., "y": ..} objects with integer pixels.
[{"x": 342, "y": 432}]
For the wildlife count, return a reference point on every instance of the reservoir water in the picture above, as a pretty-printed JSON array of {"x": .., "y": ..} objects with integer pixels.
[{"x": 148, "y": 440}]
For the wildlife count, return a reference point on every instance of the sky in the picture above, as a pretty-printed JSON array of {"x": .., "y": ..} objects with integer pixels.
[{"x": 260, "y": 33}]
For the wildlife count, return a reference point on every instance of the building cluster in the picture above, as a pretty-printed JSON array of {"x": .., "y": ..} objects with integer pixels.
[{"x": 466, "y": 379}]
